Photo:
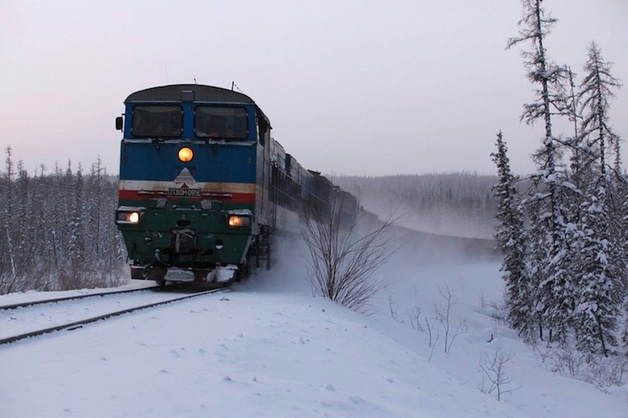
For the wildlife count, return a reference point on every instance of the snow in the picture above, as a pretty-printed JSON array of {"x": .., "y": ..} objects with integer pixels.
[{"x": 268, "y": 348}]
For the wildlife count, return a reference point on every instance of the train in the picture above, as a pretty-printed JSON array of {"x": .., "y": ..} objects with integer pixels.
[{"x": 204, "y": 187}]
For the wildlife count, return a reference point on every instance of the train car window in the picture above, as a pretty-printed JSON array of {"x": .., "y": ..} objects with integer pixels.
[
  {"x": 221, "y": 122},
  {"x": 157, "y": 121}
]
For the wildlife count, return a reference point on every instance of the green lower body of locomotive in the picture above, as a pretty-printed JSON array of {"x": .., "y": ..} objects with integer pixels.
[{"x": 189, "y": 238}]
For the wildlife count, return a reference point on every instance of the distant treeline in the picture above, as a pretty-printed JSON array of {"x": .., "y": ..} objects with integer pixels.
[
  {"x": 459, "y": 204},
  {"x": 57, "y": 229}
]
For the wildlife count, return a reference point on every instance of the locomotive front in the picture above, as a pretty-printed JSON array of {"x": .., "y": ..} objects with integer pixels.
[{"x": 193, "y": 182}]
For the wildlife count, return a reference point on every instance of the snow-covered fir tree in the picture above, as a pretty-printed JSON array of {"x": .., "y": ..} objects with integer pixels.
[
  {"x": 596, "y": 90},
  {"x": 511, "y": 239},
  {"x": 601, "y": 266},
  {"x": 10, "y": 269},
  {"x": 597, "y": 305},
  {"x": 76, "y": 248}
]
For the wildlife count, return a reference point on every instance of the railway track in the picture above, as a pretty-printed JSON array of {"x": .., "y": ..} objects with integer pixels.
[
  {"x": 41, "y": 321},
  {"x": 75, "y": 297}
]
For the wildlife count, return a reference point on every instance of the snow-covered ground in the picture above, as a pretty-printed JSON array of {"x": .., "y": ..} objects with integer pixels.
[{"x": 269, "y": 349}]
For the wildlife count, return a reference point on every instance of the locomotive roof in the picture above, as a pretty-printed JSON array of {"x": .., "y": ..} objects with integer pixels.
[
  {"x": 175, "y": 92},
  {"x": 190, "y": 92}
]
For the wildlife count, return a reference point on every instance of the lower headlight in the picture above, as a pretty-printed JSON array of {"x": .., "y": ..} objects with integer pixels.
[
  {"x": 239, "y": 221},
  {"x": 128, "y": 217}
]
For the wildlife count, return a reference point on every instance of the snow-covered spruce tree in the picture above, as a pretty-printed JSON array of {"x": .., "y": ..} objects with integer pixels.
[
  {"x": 42, "y": 192},
  {"x": 76, "y": 246},
  {"x": 24, "y": 244},
  {"x": 9, "y": 267},
  {"x": 103, "y": 245},
  {"x": 113, "y": 253},
  {"x": 511, "y": 238},
  {"x": 556, "y": 290},
  {"x": 537, "y": 256},
  {"x": 597, "y": 305},
  {"x": 92, "y": 199},
  {"x": 600, "y": 269},
  {"x": 596, "y": 90}
]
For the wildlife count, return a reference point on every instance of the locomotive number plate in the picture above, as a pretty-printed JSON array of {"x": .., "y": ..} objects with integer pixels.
[{"x": 184, "y": 192}]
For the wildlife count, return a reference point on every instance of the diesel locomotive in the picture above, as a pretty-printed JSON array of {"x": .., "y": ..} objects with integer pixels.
[{"x": 203, "y": 185}]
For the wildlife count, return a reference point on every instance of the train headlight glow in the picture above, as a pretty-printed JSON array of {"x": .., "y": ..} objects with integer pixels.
[
  {"x": 132, "y": 217},
  {"x": 186, "y": 154},
  {"x": 238, "y": 221}
]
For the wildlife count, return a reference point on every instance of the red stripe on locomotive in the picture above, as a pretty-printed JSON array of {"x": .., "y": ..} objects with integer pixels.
[{"x": 223, "y": 197}]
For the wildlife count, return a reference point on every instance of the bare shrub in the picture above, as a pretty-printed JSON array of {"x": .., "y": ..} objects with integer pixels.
[
  {"x": 495, "y": 380},
  {"x": 443, "y": 315},
  {"x": 605, "y": 372},
  {"x": 440, "y": 323},
  {"x": 392, "y": 308},
  {"x": 568, "y": 361},
  {"x": 598, "y": 370},
  {"x": 433, "y": 333},
  {"x": 343, "y": 260},
  {"x": 414, "y": 314}
]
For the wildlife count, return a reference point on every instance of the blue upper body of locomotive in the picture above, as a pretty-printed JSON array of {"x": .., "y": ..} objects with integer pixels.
[{"x": 150, "y": 155}]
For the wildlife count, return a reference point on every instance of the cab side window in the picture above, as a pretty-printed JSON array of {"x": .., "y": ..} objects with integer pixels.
[{"x": 263, "y": 130}]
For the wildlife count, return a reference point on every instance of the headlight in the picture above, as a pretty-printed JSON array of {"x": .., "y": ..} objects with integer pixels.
[
  {"x": 132, "y": 217},
  {"x": 239, "y": 221},
  {"x": 186, "y": 154}
]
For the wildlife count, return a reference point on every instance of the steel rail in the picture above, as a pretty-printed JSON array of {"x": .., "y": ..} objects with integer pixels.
[
  {"x": 79, "y": 324},
  {"x": 75, "y": 297}
]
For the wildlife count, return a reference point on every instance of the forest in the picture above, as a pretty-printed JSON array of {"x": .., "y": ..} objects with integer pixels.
[
  {"x": 57, "y": 229},
  {"x": 456, "y": 204}
]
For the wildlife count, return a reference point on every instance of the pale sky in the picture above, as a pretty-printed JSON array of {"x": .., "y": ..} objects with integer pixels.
[{"x": 371, "y": 87}]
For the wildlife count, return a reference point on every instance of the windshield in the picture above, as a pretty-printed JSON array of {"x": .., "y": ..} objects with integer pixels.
[
  {"x": 221, "y": 122},
  {"x": 157, "y": 121}
]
